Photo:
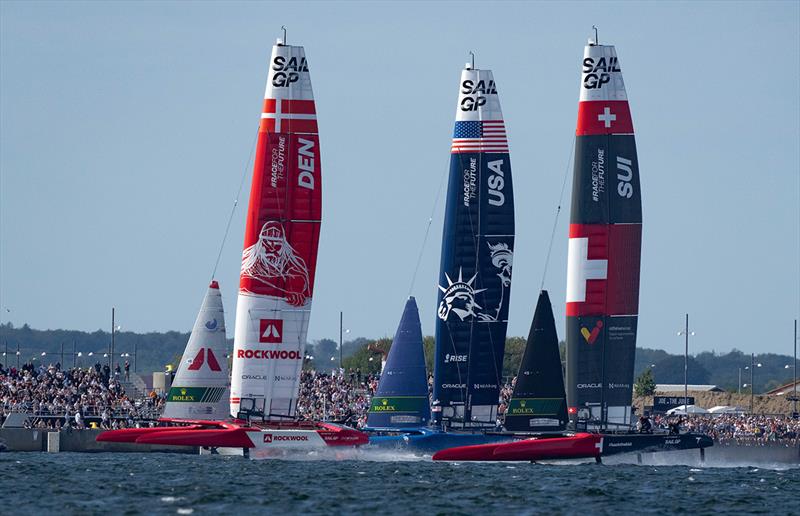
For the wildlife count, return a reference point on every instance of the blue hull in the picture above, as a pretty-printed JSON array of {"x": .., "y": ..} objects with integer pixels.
[{"x": 425, "y": 440}]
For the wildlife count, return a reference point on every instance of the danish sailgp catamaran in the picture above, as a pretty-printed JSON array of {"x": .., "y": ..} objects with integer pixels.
[{"x": 277, "y": 279}]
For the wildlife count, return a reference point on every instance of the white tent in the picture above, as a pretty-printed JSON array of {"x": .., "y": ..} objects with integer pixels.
[
  {"x": 683, "y": 410},
  {"x": 726, "y": 409}
]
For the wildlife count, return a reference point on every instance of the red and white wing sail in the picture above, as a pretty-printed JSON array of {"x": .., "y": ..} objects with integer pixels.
[{"x": 280, "y": 244}]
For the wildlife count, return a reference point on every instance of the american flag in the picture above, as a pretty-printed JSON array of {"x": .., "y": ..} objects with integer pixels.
[{"x": 482, "y": 136}]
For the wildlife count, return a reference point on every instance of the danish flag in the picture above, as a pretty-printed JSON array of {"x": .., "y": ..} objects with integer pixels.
[
  {"x": 289, "y": 116},
  {"x": 270, "y": 331}
]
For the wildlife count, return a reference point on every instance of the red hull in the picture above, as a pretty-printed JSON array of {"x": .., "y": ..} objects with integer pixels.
[
  {"x": 237, "y": 434},
  {"x": 130, "y": 435},
  {"x": 578, "y": 446},
  {"x": 222, "y": 438}
]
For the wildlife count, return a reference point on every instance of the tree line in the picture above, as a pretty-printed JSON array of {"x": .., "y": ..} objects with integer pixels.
[{"x": 153, "y": 351}]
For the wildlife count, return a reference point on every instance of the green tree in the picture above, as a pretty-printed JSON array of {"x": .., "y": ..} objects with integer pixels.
[
  {"x": 366, "y": 358},
  {"x": 429, "y": 344},
  {"x": 645, "y": 384},
  {"x": 515, "y": 347}
]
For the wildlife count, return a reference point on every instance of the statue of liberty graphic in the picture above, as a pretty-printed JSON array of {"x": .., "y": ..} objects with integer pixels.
[{"x": 459, "y": 296}]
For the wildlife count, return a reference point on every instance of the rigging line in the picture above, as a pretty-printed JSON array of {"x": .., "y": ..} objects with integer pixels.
[
  {"x": 428, "y": 229},
  {"x": 235, "y": 203},
  {"x": 558, "y": 211}
]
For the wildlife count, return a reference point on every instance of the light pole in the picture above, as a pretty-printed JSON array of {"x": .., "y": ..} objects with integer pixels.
[
  {"x": 341, "y": 327},
  {"x": 794, "y": 398},
  {"x": 739, "y": 385},
  {"x": 752, "y": 367},
  {"x": 685, "y": 332}
]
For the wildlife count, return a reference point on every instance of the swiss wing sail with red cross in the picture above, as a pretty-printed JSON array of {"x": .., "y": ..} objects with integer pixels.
[{"x": 605, "y": 236}]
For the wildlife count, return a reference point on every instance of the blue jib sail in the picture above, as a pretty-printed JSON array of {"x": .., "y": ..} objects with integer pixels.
[
  {"x": 477, "y": 253},
  {"x": 401, "y": 400}
]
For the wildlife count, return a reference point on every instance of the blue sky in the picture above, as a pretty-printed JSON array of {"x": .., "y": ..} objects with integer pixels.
[{"x": 125, "y": 129}]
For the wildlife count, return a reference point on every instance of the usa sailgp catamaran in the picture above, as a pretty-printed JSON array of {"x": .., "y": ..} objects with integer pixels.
[
  {"x": 476, "y": 262},
  {"x": 277, "y": 279},
  {"x": 602, "y": 292},
  {"x": 475, "y": 274}
]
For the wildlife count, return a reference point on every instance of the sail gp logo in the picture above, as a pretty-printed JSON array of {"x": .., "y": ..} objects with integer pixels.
[
  {"x": 591, "y": 336},
  {"x": 270, "y": 331}
]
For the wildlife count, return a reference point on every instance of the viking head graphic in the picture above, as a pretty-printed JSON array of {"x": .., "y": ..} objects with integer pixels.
[{"x": 273, "y": 262}]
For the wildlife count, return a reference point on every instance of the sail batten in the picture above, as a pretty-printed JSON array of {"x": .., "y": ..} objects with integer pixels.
[
  {"x": 604, "y": 254},
  {"x": 280, "y": 246},
  {"x": 476, "y": 260}
]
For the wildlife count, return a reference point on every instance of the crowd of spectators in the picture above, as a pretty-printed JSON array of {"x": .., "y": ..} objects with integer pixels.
[
  {"x": 741, "y": 428},
  {"x": 342, "y": 397},
  {"x": 71, "y": 398},
  {"x": 79, "y": 397}
]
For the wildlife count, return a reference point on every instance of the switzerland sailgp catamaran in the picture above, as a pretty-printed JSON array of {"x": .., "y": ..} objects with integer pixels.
[
  {"x": 605, "y": 236},
  {"x": 276, "y": 281}
]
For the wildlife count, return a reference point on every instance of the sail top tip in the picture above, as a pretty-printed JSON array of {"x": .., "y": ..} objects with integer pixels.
[{"x": 214, "y": 284}]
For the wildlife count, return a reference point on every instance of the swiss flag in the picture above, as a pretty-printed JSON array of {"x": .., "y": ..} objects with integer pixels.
[
  {"x": 270, "y": 331},
  {"x": 604, "y": 117},
  {"x": 603, "y": 269}
]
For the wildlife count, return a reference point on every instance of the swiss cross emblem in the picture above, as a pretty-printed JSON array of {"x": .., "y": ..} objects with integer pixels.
[{"x": 270, "y": 331}]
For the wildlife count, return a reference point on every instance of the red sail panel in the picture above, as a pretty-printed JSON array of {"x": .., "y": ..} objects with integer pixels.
[{"x": 285, "y": 207}]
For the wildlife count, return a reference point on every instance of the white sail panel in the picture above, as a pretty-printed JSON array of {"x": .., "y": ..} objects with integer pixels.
[{"x": 200, "y": 387}]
